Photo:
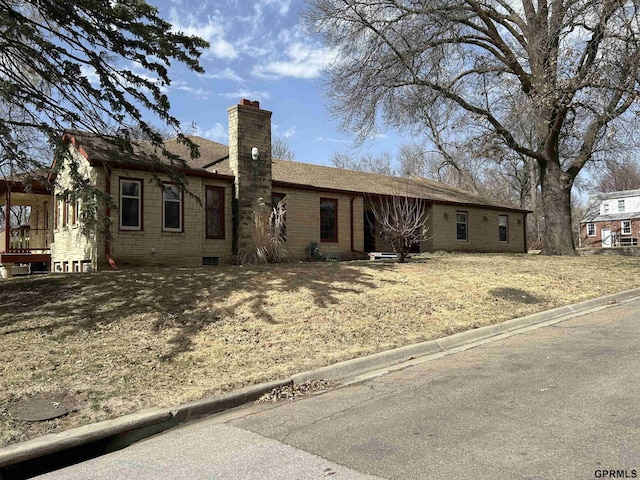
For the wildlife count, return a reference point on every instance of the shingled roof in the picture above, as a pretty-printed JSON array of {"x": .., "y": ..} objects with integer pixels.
[{"x": 214, "y": 159}]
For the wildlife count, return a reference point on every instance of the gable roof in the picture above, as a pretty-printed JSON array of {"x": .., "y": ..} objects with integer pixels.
[
  {"x": 592, "y": 213},
  {"x": 100, "y": 150},
  {"x": 619, "y": 194},
  {"x": 215, "y": 157},
  {"x": 214, "y": 160}
]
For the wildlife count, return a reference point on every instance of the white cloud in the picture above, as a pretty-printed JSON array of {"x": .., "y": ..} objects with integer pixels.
[
  {"x": 289, "y": 132},
  {"x": 212, "y": 31},
  {"x": 301, "y": 61},
  {"x": 217, "y": 133},
  {"x": 226, "y": 74},
  {"x": 334, "y": 140},
  {"x": 249, "y": 94},
  {"x": 378, "y": 136},
  {"x": 198, "y": 92},
  {"x": 281, "y": 5}
]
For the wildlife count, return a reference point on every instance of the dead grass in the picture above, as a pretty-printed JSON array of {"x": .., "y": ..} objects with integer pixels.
[{"x": 121, "y": 341}]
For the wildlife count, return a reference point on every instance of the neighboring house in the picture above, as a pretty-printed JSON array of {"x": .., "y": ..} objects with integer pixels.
[
  {"x": 612, "y": 220},
  {"x": 155, "y": 225}
]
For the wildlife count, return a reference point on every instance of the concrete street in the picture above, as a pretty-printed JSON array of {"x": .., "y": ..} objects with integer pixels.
[{"x": 557, "y": 402}]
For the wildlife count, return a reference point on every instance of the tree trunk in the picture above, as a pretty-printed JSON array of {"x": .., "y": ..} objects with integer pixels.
[{"x": 556, "y": 206}]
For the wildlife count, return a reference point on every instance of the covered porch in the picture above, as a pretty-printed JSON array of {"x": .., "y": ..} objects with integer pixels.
[{"x": 29, "y": 244}]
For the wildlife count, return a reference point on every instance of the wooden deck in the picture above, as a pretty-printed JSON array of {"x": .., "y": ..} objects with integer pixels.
[{"x": 24, "y": 257}]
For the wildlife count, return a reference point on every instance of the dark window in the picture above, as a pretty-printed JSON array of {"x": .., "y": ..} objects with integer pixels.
[
  {"x": 275, "y": 199},
  {"x": 130, "y": 204},
  {"x": 461, "y": 226},
  {"x": 210, "y": 261},
  {"x": 171, "y": 208},
  {"x": 65, "y": 213},
  {"x": 503, "y": 228},
  {"x": 56, "y": 212},
  {"x": 76, "y": 212},
  {"x": 328, "y": 220},
  {"x": 214, "y": 206},
  {"x": 591, "y": 229}
]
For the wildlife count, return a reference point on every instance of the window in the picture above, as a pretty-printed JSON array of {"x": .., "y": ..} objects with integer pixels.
[
  {"x": 130, "y": 204},
  {"x": 207, "y": 261},
  {"x": 591, "y": 229},
  {"x": 275, "y": 199},
  {"x": 626, "y": 227},
  {"x": 620, "y": 205},
  {"x": 461, "y": 226},
  {"x": 171, "y": 208},
  {"x": 328, "y": 220},
  {"x": 76, "y": 212},
  {"x": 605, "y": 207},
  {"x": 65, "y": 213},
  {"x": 214, "y": 206},
  {"x": 56, "y": 212},
  {"x": 503, "y": 228}
]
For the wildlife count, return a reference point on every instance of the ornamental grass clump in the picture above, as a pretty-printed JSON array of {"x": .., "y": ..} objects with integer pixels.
[{"x": 269, "y": 234}]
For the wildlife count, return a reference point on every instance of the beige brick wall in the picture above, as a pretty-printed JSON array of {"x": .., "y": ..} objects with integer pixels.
[
  {"x": 303, "y": 223},
  {"x": 383, "y": 246},
  {"x": 482, "y": 230},
  {"x": 71, "y": 246},
  {"x": 152, "y": 245}
]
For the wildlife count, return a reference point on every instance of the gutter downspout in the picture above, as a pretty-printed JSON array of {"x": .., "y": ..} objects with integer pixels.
[
  {"x": 353, "y": 198},
  {"x": 107, "y": 241},
  {"x": 524, "y": 226}
]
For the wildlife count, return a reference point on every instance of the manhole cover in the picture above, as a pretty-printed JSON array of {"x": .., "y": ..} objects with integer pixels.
[{"x": 39, "y": 409}]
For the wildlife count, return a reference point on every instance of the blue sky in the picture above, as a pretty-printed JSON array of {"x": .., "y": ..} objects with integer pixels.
[{"x": 260, "y": 51}]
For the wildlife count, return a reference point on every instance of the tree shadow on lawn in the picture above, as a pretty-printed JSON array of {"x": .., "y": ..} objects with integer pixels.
[{"x": 63, "y": 305}]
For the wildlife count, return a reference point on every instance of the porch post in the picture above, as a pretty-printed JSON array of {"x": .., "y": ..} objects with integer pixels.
[{"x": 7, "y": 220}]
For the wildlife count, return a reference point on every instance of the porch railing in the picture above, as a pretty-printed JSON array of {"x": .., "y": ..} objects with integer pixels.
[{"x": 26, "y": 240}]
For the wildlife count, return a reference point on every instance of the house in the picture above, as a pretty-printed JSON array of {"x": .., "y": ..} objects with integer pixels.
[
  {"x": 206, "y": 225},
  {"x": 612, "y": 220}
]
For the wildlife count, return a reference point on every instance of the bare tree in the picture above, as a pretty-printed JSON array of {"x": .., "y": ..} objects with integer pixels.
[
  {"x": 569, "y": 67},
  {"x": 401, "y": 220},
  {"x": 281, "y": 150},
  {"x": 382, "y": 164},
  {"x": 617, "y": 175}
]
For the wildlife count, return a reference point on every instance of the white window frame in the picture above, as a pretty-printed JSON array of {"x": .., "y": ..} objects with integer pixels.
[
  {"x": 623, "y": 230},
  {"x": 165, "y": 188},
  {"x": 591, "y": 229},
  {"x": 138, "y": 197},
  {"x": 605, "y": 207},
  {"x": 466, "y": 225},
  {"x": 621, "y": 206},
  {"x": 506, "y": 226}
]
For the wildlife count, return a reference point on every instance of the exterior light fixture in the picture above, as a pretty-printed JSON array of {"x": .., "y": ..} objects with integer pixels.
[{"x": 255, "y": 153}]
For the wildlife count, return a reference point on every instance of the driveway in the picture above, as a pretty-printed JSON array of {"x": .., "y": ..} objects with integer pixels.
[{"x": 557, "y": 402}]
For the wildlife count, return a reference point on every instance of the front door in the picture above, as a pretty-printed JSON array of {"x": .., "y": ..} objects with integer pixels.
[
  {"x": 369, "y": 231},
  {"x": 606, "y": 237}
]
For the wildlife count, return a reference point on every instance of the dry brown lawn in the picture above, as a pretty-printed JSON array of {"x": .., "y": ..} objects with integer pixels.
[{"x": 117, "y": 342}]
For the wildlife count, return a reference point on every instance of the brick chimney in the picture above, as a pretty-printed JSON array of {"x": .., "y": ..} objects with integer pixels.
[{"x": 250, "y": 136}]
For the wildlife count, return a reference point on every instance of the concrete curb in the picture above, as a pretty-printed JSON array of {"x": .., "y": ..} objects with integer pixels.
[
  {"x": 123, "y": 431},
  {"x": 359, "y": 366}
]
